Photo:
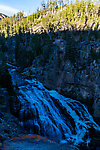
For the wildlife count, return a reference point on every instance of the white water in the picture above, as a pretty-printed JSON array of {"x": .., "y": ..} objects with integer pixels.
[{"x": 50, "y": 114}]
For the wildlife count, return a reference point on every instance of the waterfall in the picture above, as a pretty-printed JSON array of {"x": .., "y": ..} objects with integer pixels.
[{"x": 50, "y": 114}]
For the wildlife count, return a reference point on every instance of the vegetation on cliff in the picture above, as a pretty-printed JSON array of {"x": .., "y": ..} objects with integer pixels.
[
  {"x": 54, "y": 15},
  {"x": 25, "y": 38}
]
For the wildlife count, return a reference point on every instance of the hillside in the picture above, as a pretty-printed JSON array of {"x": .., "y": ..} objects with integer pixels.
[
  {"x": 52, "y": 38},
  {"x": 50, "y": 73},
  {"x": 2, "y": 16},
  {"x": 53, "y": 17}
]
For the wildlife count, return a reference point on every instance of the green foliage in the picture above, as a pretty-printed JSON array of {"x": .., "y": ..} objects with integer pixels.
[
  {"x": 33, "y": 36},
  {"x": 72, "y": 14}
]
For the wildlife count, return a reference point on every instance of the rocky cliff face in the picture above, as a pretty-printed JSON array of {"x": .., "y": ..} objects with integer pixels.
[
  {"x": 75, "y": 76},
  {"x": 9, "y": 124},
  {"x": 78, "y": 78}
]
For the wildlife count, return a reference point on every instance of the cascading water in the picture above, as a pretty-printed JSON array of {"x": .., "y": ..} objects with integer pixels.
[{"x": 50, "y": 114}]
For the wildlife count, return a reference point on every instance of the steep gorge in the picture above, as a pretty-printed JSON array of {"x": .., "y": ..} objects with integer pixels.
[{"x": 48, "y": 113}]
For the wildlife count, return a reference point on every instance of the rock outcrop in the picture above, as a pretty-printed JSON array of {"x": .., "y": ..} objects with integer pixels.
[
  {"x": 9, "y": 124},
  {"x": 76, "y": 76}
]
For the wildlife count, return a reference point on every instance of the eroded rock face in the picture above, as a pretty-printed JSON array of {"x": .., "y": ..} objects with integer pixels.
[
  {"x": 9, "y": 124},
  {"x": 78, "y": 79}
]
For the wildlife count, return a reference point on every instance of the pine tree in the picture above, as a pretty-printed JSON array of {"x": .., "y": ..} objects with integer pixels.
[
  {"x": 61, "y": 3},
  {"x": 43, "y": 5},
  {"x": 48, "y": 4}
]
